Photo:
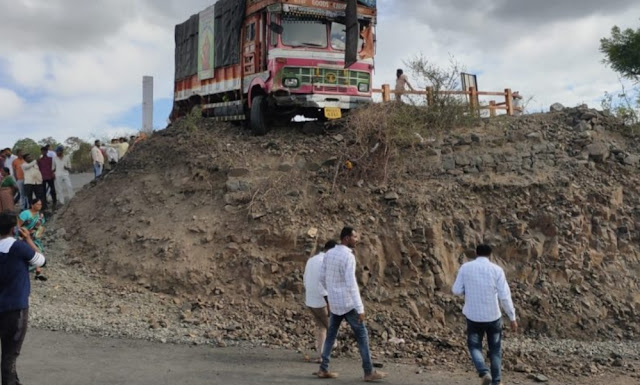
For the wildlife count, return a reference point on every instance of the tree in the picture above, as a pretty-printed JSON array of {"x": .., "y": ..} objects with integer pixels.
[
  {"x": 50, "y": 141},
  {"x": 622, "y": 52},
  {"x": 28, "y": 146},
  {"x": 73, "y": 143},
  {"x": 81, "y": 158}
]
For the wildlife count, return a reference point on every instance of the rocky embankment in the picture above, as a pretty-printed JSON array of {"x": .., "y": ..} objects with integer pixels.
[{"x": 212, "y": 247}]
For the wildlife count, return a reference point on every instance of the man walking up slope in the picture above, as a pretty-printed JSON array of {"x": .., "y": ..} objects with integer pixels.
[
  {"x": 338, "y": 276},
  {"x": 485, "y": 287}
]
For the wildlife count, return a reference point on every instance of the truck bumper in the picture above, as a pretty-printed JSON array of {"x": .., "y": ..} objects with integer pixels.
[{"x": 343, "y": 102}]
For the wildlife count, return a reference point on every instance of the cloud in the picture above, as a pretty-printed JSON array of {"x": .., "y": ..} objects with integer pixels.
[
  {"x": 10, "y": 104},
  {"x": 77, "y": 65}
]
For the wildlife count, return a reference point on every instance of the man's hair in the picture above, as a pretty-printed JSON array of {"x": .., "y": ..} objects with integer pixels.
[
  {"x": 6, "y": 169},
  {"x": 96, "y": 142},
  {"x": 8, "y": 220},
  {"x": 346, "y": 232},
  {"x": 399, "y": 72},
  {"x": 6, "y": 149},
  {"x": 329, "y": 245},
  {"x": 44, "y": 148},
  {"x": 483, "y": 250}
]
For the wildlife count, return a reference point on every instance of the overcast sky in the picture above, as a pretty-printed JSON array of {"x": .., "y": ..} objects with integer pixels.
[{"x": 75, "y": 67}]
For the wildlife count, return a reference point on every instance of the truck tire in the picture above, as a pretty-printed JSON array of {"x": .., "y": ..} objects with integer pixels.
[{"x": 257, "y": 119}]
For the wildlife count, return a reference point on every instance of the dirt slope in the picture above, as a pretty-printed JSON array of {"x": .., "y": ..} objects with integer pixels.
[{"x": 227, "y": 220}]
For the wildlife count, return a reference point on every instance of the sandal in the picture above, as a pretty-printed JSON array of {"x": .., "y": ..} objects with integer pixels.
[{"x": 41, "y": 277}]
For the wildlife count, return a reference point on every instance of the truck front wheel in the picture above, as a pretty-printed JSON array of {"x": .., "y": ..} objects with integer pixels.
[{"x": 257, "y": 119}]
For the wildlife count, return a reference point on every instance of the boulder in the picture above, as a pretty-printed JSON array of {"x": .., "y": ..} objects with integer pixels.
[
  {"x": 556, "y": 107},
  {"x": 598, "y": 152}
]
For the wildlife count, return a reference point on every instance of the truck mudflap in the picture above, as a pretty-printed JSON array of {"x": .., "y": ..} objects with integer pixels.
[{"x": 343, "y": 102}]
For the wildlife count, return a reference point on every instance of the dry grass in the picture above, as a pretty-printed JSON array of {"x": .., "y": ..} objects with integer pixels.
[{"x": 382, "y": 135}]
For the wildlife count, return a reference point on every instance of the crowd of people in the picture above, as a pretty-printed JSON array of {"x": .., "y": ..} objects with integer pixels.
[
  {"x": 107, "y": 155},
  {"x": 27, "y": 181},
  {"x": 26, "y": 177},
  {"x": 333, "y": 296}
]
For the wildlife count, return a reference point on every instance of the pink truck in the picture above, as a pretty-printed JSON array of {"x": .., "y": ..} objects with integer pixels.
[{"x": 266, "y": 61}]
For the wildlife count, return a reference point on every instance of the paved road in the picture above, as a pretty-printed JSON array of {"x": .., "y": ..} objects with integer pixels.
[
  {"x": 79, "y": 180},
  {"x": 64, "y": 359}
]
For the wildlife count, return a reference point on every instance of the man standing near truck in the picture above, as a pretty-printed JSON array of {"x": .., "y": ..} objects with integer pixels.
[{"x": 402, "y": 82}]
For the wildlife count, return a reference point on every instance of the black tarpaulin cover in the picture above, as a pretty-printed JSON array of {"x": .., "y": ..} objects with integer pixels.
[
  {"x": 228, "y": 28},
  {"x": 186, "y": 55},
  {"x": 229, "y": 17}
]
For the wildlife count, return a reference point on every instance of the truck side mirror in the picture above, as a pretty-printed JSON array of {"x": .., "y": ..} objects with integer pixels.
[{"x": 276, "y": 28}]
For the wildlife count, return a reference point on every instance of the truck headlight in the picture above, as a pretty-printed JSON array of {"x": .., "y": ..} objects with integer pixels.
[
  {"x": 291, "y": 82},
  {"x": 363, "y": 87}
]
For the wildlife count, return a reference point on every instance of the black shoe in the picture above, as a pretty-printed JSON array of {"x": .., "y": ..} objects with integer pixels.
[{"x": 41, "y": 277}]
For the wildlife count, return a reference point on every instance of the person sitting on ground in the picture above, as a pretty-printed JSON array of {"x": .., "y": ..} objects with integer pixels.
[
  {"x": 15, "y": 258},
  {"x": 8, "y": 189},
  {"x": 32, "y": 220},
  {"x": 316, "y": 297}
]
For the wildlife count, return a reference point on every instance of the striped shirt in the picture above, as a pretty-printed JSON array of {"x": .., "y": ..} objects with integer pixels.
[
  {"x": 484, "y": 287},
  {"x": 338, "y": 276}
]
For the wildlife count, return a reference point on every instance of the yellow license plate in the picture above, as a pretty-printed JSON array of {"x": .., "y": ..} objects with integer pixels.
[{"x": 332, "y": 113}]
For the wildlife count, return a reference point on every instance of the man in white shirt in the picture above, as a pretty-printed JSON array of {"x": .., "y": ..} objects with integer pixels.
[
  {"x": 316, "y": 296},
  {"x": 485, "y": 288},
  {"x": 97, "y": 158},
  {"x": 32, "y": 179},
  {"x": 8, "y": 163},
  {"x": 338, "y": 276},
  {"x": 62, "y": 167}
]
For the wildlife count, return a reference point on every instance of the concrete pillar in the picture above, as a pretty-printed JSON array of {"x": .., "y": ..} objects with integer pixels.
[{"x": 147, "y": 104}]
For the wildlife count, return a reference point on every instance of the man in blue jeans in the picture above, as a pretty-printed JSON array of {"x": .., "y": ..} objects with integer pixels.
[
  {"x": 485, "y": 288},
  {"x": 338, "y": 277},
  {"x": 15, "y": 287}
]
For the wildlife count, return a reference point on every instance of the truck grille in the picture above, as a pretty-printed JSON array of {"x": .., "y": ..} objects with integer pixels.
[{"x": 332, "y": 78}]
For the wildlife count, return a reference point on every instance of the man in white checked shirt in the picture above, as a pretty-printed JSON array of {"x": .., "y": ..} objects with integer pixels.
[
  {"x": 485, "y": 288},
  {"x": 338, "y": 276}
]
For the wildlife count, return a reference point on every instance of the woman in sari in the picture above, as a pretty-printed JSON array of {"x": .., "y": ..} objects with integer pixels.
[
  {"x": 8, "y": 188},
  {"x": 32, "y": 220}
]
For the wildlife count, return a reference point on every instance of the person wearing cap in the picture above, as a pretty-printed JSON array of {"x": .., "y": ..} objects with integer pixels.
[{"x": 62, "y": 169}]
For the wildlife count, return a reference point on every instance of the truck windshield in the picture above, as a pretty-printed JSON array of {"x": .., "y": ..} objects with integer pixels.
[
  {"x": 298, "y": 33},
  {"x": 339, "y": 37}
]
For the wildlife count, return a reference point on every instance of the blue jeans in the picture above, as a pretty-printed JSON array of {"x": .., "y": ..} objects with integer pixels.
[
  {"x": 475, "y": 334},
  {"x": 361, "y": 334},
  {"x": 97, "y": 169}
]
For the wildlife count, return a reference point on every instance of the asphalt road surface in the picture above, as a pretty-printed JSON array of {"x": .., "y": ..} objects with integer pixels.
[{"x": 57, "y": 358}]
